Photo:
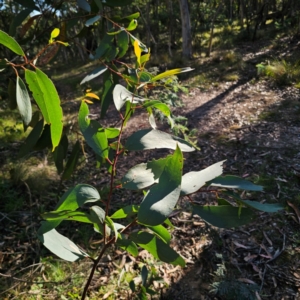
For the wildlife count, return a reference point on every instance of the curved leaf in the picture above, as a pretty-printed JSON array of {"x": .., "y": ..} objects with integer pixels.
[
  {"x": 156, "y": 139},
  {"x": 112, "y": 133},
  {"x": 23, "y": 101},
  {"x": 234, "y": 182},
  {"x": 95, "y": 73},
  {"x": 72, "y": 162},
  {"x": 60, "y": 154},
  {"x": 121, "y": 95},
  {"x": 122, "y": 41},
  {"x": 266, "y": 207},
  {"x": 10, "y": 43},
  {"x": 143, "y": 175},
  {"x": 162, "y": 232},
  {"x": 77, "y": 196},
  {"x": 61, "y": 246},
  {"x": 125, "y": 212},
  {"x": 157, "y": 248},
  {"x": 93, "y": 133},
  {"x": 127, "y": 245},
  {"x": 18, "y": 19},
  {"x": 137, "y": 51},
  {"x": 46, "y": 96},
  {"x": 171, "y": 73},
  {"x": 161, "y": 199},
  {"x": 84, "y": 5},
  {"x": 224, "y": 216},
  {"x": 93, "y": 20},
  {"x": 68, "y": 215},
  {"x": 32, "y": 139},
  {"x": 97, "y": 214},
  {"x": 193, "y": 181},
  {"x": 132, "y": 25}
]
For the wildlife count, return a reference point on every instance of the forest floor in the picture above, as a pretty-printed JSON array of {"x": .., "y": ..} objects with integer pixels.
[{"x": 252, "y": 124}]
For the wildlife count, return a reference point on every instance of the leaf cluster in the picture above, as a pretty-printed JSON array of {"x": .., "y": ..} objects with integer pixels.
[{"x": 160, "y": 182}]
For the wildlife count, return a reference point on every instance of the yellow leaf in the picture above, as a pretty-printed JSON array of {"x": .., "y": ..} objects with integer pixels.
[
  {"x": 55, "y": 33},
  {"x": 171, "y": 73},
  {"x": 88, "y": 101},
  {"x": 137, "y": 51},
  {"x": 92, "y": 95}
]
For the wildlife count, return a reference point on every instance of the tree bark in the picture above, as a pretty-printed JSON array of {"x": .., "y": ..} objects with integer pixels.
[{"x": 187, "y": 51}]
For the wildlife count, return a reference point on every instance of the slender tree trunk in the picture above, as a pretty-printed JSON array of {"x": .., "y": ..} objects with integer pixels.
[
  {"x": 212, "y": 30},
  {"x": 186, "y": 29},
  {"x": 171, "y": 26}
]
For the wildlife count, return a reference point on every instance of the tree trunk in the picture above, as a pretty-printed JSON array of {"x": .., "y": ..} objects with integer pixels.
[
  {"x": 212, "y": 30},
  {"x": 187, "y": 51}
]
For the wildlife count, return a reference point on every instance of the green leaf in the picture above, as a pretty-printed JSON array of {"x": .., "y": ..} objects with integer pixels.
[
  {"x": 99, "y": 4},
  {"x": 45, "y": 139},
  {"x": 61, "y": 246},
  {"x": 224, "y": 216},
  {"x": 160, "y": 106},
  {"x": 222, "y": 201},
  {"x": 126, "y": 211},
  {"x": 162, "y": 232},
  {"x": 112, "y": 133},
  {"x": 132, "y": 25},
  {"x": 193, "y": 181},
  {"x": 68, "y": 215},
  {"x": 23, "y": 101},
  {"x": 144, "y": 76},
  {"x": 77, "y": 196},
  {"x": 97, "y": 214},
  {"x": 171, "y": 73},
  {"x": 84, "y": 5},
  {"x": 144, "y": 59},
  {"x": 132, "y": 286},
  {"x": 121, "y": 95},
  {"x": 156, "y": 139},
  {"x": 95, "y": 73},
  {"x": 144, "y": 275},
  {"x": 12, "y": 95},
  {"x": 72, "y": 162},
  {"x": 32, "y": 139},
  {"x": 157, "y": 248},
  {"x": 161, "y": 199},
  {"x": 104, "y": 47},
  {"x": 122, "y": 41},
  {"x": 46, "y": 96},
  {"x": 93, "y": 133},
  {"x": 131, "y": 17},
  {"x": 143, "y": 175},
  {"x": 60, "y": 153},
  {"x": 107, "y": 97},
  {"x": 10, "y": 43},
  {"x": 266, "y": 207},
  {"x": 114, "y": 32},
  {"x": 18, "y": 19},
  {"x": 112, "y": 226},
  {"x": 234, "y": 182},
  {"x": 127, "y": 245},
  {"x": 93, "y": 20}
]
